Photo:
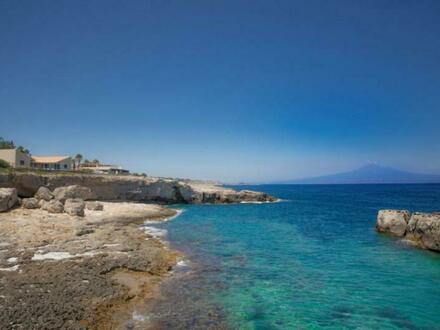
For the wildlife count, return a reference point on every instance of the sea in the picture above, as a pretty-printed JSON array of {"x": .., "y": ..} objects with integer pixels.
[{"x": 313, "y": 260}]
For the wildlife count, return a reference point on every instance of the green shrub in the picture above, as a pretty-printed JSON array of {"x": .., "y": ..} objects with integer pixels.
[{"x": 4, "y": 164}]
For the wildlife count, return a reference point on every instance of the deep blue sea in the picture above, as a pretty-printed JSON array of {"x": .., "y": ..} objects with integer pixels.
[{"x": 312, "y": 261}]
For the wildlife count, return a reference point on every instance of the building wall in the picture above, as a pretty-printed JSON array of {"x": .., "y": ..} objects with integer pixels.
[
  {"x": 15, "y": 158},
  {"x": 22, "y": 160},
  {"x": 64, "y": 165},
  {"x": 8, "y": 155}
]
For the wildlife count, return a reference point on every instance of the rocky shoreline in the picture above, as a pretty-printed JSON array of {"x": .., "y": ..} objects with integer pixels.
[
  {"x": 68, "y": 261},
  {"x": 59, "y": 271},
  {"x": 421, "y": 229},
  {"x": 132, "y": 188}
]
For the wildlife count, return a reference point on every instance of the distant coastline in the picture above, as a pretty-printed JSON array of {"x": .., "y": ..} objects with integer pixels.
[{"x": 369, "y": 174}]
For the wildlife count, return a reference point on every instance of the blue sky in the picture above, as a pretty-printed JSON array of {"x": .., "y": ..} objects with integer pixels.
[{"x": 227, "y": 90}]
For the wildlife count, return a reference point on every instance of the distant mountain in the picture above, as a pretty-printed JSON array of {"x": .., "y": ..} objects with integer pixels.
[{"x": 370, "y": 173}]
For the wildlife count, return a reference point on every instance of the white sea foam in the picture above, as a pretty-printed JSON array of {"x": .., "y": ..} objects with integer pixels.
[
  {"x": 182, "y": 263},
  {"x": 264, "y": 202},
  {"x": 253, "y": 202},
  {"x": 155, "y": 222},
  {"x": 178, "y": 212},
  {"x": 155, "y": 232},
  {"x": 158, "y": 232}
]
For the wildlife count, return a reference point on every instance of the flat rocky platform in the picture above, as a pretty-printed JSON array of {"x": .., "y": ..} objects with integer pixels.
[
  {"x": 132, "y": 188},
  {"x": 64, "y": 272}
]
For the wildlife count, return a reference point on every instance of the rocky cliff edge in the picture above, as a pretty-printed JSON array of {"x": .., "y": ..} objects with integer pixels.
[{"x": 133, "y": 188}]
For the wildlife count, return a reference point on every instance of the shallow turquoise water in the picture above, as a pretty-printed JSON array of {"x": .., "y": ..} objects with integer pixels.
[{"x": 312, "y": 261}]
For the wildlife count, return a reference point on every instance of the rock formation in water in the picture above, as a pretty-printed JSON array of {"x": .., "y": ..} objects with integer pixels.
[{"x": 421, "y": 228}]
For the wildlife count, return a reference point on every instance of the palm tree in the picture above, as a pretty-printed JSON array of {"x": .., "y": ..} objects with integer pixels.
[{"x": 78, "y": 159}]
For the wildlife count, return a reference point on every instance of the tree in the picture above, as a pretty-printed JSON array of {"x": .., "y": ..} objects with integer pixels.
[
  {"x": 95, "y": 161},
  {"x": 87, "y": 161},
  {"x": 23, "y": 150},
  {"x": 5, "y": 144},
  {"x": 78, "y": 159},
  {"x": 4, "y": 164}
]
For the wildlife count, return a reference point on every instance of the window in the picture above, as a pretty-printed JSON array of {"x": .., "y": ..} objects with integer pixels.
[
  {"x": 65, "y": 166},
  {"x": 22, "y": 162}
]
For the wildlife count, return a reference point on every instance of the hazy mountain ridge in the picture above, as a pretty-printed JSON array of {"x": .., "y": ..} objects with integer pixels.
[{"x": 369, "y": 174}]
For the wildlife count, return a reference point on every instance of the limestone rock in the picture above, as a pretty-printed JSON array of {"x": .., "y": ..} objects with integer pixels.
[
  {"x": 424, "y": 228},
  {"x": 94, "y": 206},
  {"x": 44, "y": 193},
  {"x": 74, "y": 191},
  {"x": 41, "y": 203},
  {"x": 393, "y": 222},
  {"x": 128, "y": 188},
  {"x": 161, "y": 191},
  {"x": 74, "y": 206},
  {"x": 30, "y": 203},
  {"x": 188, "y": 194},
  {"x": 53, "y": 206},
  {"x": 27, "y": 184},
  {"x": 228, "y": 196},
  {"x": 8, "y": 198}
]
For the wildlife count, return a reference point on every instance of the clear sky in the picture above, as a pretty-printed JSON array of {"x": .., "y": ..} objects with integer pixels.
[{"x": 227, "y": 90}]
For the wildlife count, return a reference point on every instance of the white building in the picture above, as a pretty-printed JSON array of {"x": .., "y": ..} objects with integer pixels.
[
  {"x": 16, "y": 158},
  {"x": 52, "y": 163}
]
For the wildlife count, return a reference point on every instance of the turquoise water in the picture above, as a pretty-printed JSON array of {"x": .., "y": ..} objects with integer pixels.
[{"x": 312, "y": 261}]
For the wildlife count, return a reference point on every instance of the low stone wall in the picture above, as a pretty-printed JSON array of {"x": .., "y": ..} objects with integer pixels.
[
  {"x": 132, "y": 188},
  {"x": 421, "y": 228}
]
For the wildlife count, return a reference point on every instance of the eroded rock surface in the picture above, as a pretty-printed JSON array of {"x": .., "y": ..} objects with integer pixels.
[
  {"x": 73, "y": 191},
  {"x": 94, "y": 206},
  {"x": 424, "y": 228},
  {"x": 44, "y": 193},
  {"x": 8, "y": 198},
  {"x": 56, "y": 273},
  {"x": 30, "y": 203},
  {"x": 74, "y": 206},
  {"x": 393, "y": 222},
  {"x": 53, "y": 206},
  {"x": 129, "y": 188},
  {"x": 421, "y": 228}
]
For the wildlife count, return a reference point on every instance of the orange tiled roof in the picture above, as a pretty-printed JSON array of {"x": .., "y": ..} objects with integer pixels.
[{"x": 49, "y": 159}]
